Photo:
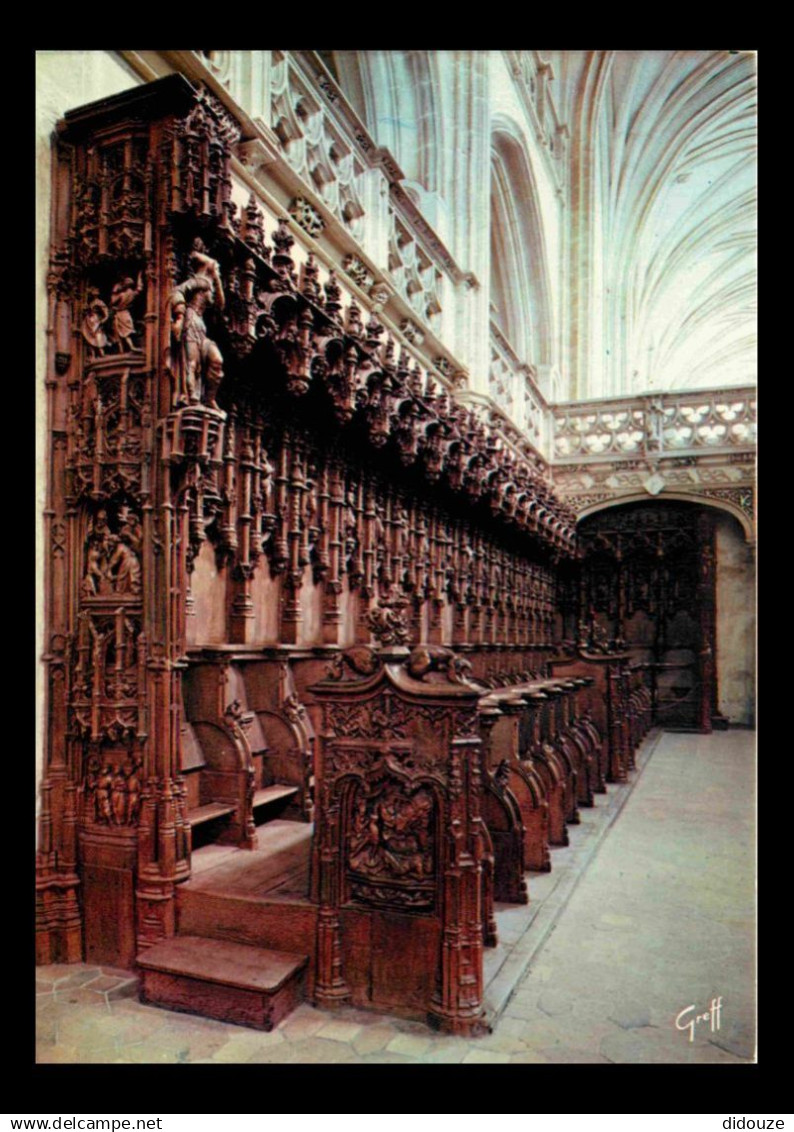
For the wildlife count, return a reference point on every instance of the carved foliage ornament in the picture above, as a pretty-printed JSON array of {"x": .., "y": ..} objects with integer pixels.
[{"x": 307, "y": 216}]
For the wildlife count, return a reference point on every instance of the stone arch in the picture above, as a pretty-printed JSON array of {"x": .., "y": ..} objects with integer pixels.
[
  {"x": 520, "y": 284},
  {"x": 397, "y": 95},
  {"x": 743, "y": 518}
]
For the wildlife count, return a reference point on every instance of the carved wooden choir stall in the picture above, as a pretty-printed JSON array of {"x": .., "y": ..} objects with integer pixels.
[{"x": 322, "y": 687}]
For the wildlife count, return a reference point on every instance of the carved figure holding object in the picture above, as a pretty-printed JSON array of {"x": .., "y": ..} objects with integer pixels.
[
  {"x": 122, "y": 297},
  {"x": 193, "y": 355}
]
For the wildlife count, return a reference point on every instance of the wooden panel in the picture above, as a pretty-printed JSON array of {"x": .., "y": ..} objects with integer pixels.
[
  {"x": 405, "y": 961},
  {"x": 108, "y": 907}
]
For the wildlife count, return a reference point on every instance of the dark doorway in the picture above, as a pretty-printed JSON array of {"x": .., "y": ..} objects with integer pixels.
[{"x": 647, "y": 582}]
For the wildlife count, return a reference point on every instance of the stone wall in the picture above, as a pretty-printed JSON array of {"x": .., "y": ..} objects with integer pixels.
[{"x": 736, "y": 626}]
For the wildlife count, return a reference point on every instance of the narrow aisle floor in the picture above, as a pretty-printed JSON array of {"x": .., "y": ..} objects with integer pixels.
[
  {"x": 662, "y": 920},
  {"x": 660, "y": 926}
]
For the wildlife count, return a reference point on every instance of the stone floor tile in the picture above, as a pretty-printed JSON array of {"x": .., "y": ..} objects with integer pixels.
[
  {"x": 125, "y": 989},
  {"x": 510, "y": 1025},
  {"x": 77, "y": 977},
  {"x": 101, "y": 983},
  {"x": 572, "y": 1056},
  {"x": 553, "y": 1001},
  {"x": 502, "y": 1042},
  {"x": 47, "y": 1025},
  {"x": 152, "y": 1053},
  {"x": 58, "y": 1055},
  {"x": 485, "y": 1057},
  {"x": 133, "y": 1005},
  {"x": 363, "y": 1017},
  {"x": 82, "y": 996},
  {"x": 374, "y": 1038},
  {"x": 201, "y": 1045},
  {"x": 410, "y": 1044},
  {"x": 51, "y": 972},
  {"x": 409, "y": 1026},
  {"x": 82, "y": 1027},
  {"x": 338, "y": 1031},
  {"x": 130, "y": 1029},
  {"x": 242, "y": 1046},
  {"x": 442, "y": 1054},
  {"x": 541, "y": 972},
  {"x": 318, "y": 1050},
  {"x": 522, "y": 1007},
  {"x": 647, "y": 1045},
  {"x": 738, "y": 1040},
  {"x": 384, "y": 1058},
  {"x": 278, "y": 1055},
  {"x": 296, "y": 1029},
  {"x": 118, "y": 972},
  {"x": 630, "y": 1017}
]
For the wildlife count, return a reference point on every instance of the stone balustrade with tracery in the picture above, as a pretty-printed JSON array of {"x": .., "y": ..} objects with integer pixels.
[
  {"x": 512, "y": 385},
  {"x": 721, "y": 420},
  {"x": 350, "y": 184}
]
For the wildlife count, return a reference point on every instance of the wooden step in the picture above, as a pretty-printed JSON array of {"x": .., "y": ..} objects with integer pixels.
[
  {"x": 234, "y": 982},
  {"x": 209, "y": 812},
  {"x": 275, "y": 793}
]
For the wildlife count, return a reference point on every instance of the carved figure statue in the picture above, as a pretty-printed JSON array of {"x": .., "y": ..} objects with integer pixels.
[
  {"x": 95, "y": 316},
  {"x": 193, "y": 357},
  {"x": 123, "y": 566},
  {"x": 130, "y": 528},
  {"x": 351, "y": 521},
  {"x": 102, "y": 795},
  {"x": 91, "y": 782},
  {"x": 131, "y": 770},
  {"x": 124, "y": 293},
  {"x": 118, "y": 797},
  {"x": 99, "y": 526},
  {"x": 94, "y": 568}
]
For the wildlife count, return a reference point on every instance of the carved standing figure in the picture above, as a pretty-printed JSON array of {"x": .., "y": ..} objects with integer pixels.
[
  {"x": 103, "y": 791},
  {"x": 118, "y": 797},
  {"x": 91, "y": 781},
  {"x": 95, "y": 316},
  {"x": 124, "y": 293},
  {"x": 94, "y": 568},
  {"x": 131, "y": 770},
  {"x": 123, "y": 566},
  {"x": 193, "y": 356}
]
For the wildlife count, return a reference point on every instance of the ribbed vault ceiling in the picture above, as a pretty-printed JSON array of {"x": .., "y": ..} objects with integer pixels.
[
  {"x": 668, "y": 247},
  {"x": 674, "y": 148}
]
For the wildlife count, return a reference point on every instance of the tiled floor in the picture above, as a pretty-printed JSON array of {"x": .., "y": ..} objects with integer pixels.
[{"x": 660, "y": 919}]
